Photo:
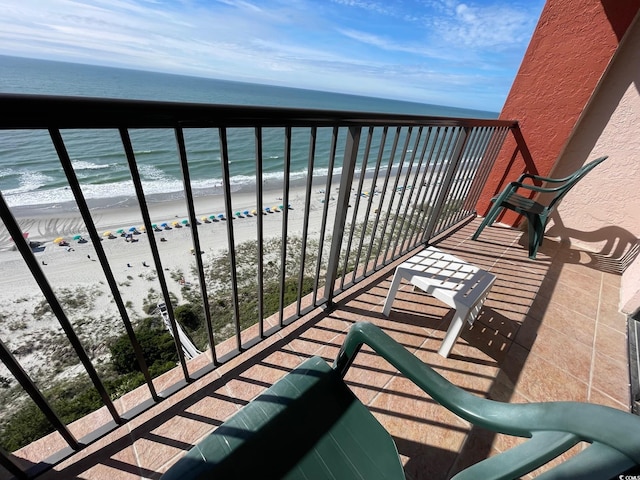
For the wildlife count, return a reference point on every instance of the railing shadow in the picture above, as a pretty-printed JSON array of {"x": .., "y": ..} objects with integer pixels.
[
  {"x": 493, "y": 333},
  {"x": 617, "y": 247}
]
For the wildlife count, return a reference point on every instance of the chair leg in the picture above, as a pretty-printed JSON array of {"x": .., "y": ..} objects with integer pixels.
[
  {"x": 536, "y": 234},
  {"x": 488, "y": 220}
]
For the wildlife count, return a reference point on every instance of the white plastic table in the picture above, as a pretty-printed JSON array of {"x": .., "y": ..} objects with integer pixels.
[{"x": 460, "y": 285}]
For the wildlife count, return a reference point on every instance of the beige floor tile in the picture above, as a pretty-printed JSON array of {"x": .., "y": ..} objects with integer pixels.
[{"x": 550, "y": 330}]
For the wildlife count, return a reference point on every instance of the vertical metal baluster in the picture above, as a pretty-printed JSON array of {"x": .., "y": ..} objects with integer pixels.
[
  {"x": 480, "y": 150},
  {"x": 14, "y": 230},
  {"x": 374, "y": 228},
  {"x": 476, "y": 144},
  {"x": 224, "y": 158},
  {"x": 144, "y": 210},
  {"x": 456, "y": 157},
  {"x": 12, "y": 467},
  {"x": 354, "y": 216},
  {"x": 447, "y": 156},
  {"x": 403, "y": 217},
  {"x": 285, "y": 223},
  {"x": 384, "y": 231},
  {"x": 307, "y": 211},
  {"x": 496, "y": 141},
  {"x": 325, "y": 210},
  {"x": 36, "y": 395},
  {"x": 346, "y": 179},
  {"x": 102, "y": 257},
  {"x": 414, "y": 193},
  {"x": 445, "y": 138},
  {"x": 423, "y": 189},
  {"x": 363, "y": 232},
  {"x": 260, "y": 230},
  {"x": 450, "y": 208},
  {"x": 188, "y": 193}
]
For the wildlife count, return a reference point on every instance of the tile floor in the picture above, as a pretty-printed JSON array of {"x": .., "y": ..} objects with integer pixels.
[{"x": 550, "y": 330}]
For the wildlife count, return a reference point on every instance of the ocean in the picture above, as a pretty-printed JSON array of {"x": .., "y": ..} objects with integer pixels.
[{"x": 30, "y": 173}]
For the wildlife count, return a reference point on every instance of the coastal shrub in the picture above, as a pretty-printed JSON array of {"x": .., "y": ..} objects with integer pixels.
[
  {"x": 41, "y": 309},
  {"x": 74, "y": 398},
  {"x": 176, "y": 274},
  {"x": 17, "y": 325},
  {"x": 155, "y": 341},
  {"x": 25, "y": 426},
  {"x": 190, "y": 316},
  {"x": 153, "y": 298},
  {"x": 71, "y": 399}
]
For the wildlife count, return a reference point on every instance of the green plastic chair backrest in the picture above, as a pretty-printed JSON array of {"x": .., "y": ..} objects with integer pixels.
[{"x": 572, "y": 180}]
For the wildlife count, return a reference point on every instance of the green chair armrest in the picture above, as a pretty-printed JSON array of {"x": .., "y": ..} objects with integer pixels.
[
  {"x": 594, "y": 463},
  {"x": 591, "y": 423},
  {"x": 522, "y": 459},
  {"x": 535, "y": 188}
]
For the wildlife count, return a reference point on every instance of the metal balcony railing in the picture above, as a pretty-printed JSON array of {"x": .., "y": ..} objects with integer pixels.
[{"x": 389, "y": 183}]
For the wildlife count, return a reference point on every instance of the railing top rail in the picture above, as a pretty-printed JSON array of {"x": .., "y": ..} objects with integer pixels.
[{"x": 20, "y": 111}]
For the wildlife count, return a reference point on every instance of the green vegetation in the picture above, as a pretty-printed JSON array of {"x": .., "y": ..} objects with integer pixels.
[
  {"x": 74, "y": 398},
  {"x": 120, "y": 372},
  {"x": 155, "y": 341},
  {"x": 220, "y": 291}
]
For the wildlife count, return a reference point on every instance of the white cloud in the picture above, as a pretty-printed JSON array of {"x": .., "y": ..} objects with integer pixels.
[
  {"x": 411, "y": 49},
  {"x": 496, "y": 25}
]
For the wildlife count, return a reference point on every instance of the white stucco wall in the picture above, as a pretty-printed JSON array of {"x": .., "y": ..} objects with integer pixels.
[{"x": 602, "y": 213}]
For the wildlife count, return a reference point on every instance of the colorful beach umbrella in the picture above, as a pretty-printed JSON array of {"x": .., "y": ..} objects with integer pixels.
[
  {"x": 120, "y": 230},
  {"x": 246, "y": 212},
  {"x": 254, "y": 212},
  {"x": 267, "y": 209},
  {"x": 185, "y": 222},
  {"x": 132, "y": 229},
  {"x": 221, "y": 216},
  {"x": 212, "y": 217},
  {"x": 106, "y": 234},
  {"x": 142, "y": 228},
  {"x": 58, "y": 240},
  {"x": 77, "y": 237}
]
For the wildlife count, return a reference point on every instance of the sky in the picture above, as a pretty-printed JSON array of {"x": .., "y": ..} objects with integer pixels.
[{"x": 444, "y": 52}]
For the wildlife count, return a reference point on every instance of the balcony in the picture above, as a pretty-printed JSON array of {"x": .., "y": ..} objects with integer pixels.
[{"x": 550, "y": 329}]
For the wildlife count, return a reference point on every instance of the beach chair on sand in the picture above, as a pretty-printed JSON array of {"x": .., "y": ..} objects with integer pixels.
[
  {"x": 310, "y": 425},
  {"x": 537, "y": 213}
]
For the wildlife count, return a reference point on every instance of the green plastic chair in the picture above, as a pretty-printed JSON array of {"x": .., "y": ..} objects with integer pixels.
[
  {"x": 536, "y": 213},
  {"x": 309, "y": 425}
]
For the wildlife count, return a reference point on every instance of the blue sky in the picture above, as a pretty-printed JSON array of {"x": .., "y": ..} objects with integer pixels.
[{"x": 446, "y": 52}]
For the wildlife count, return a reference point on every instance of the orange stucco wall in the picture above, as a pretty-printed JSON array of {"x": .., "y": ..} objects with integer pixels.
[{"x": 568, "y": 54}]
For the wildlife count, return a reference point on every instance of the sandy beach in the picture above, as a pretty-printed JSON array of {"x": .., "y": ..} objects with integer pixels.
[{"x": 74, "y": 271}]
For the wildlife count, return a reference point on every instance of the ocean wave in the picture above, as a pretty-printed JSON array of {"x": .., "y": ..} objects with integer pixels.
[
  {"x": 151, "y": 172},
  {"x": 28, "y": 181},
  {"x": 154, "y": 182},
  {"x": 85, "y": 165}
]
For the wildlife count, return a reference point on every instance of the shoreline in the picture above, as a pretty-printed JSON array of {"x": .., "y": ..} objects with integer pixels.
[
  {"x": 74, "y": 272},
  {"x": 44, "y": 223}
]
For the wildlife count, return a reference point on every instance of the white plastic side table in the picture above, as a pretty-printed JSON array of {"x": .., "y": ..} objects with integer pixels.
[{"x": 462, "y": 286}]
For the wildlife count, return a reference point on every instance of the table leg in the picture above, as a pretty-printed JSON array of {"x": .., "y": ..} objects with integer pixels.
[
  {"x": 453, "y": 332},
  {"x": 393, "y": 289}
]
